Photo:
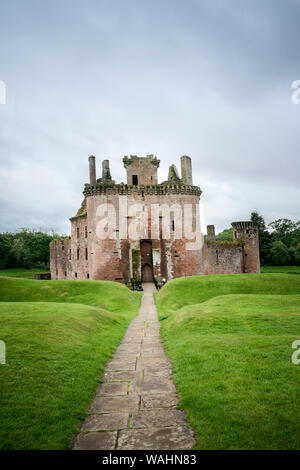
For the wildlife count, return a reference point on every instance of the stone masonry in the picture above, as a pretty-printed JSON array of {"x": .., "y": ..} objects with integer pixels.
[
  {"x": 136, "y": 405},
  {"x": 142, "y": 226}
]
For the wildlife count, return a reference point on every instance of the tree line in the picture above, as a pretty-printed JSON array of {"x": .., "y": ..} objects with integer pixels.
[
  {"x": 279, "y": 241},
  {"x": 26, "y": 248}
]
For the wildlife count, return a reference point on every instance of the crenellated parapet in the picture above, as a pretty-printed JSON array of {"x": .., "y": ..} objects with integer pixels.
[{"x": 142, "y": 190}]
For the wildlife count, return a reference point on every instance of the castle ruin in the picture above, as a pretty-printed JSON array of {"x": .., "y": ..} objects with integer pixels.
[{"x": 144, "y": 230}]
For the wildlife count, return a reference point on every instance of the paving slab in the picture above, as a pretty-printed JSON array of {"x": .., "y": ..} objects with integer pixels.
[
  {"x": 153, "y": 418},
  {"x": 173, "y": 438},
  {"x": 122, "y": 375},
  {"x": 114, "y": 388},
  {"x": 153, "y": 385},
  {"x": 105, "y": 421},
  {"x": 95, "y": 441},
  {"x": 163, "y": 400},
  {"x": 114, "y": 403}
]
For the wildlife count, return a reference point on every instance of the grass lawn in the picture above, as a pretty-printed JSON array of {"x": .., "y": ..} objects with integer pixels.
[
  {"x": 21, "y": 272},
  {"x": 230, "y": 343},
  {"x": 59, "y": 336},
  {"x": 281, "y": 269}
]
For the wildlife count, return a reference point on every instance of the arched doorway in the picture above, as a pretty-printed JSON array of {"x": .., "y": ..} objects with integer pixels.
[{"x": 147, "y": 274}]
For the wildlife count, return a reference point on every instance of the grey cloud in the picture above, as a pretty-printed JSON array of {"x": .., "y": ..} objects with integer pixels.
[{"x": 208, "y": 79}]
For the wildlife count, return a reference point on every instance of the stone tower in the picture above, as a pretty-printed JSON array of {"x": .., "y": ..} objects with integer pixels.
[
  {"x": 248, "y": 232},
  {"x": 141, "y": 171},
  {"x": 144, "y": 230}
]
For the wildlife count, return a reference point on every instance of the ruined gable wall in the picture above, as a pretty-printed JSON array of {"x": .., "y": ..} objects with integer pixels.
[
  {"x": 60, "y": 264},
  {"x": 79, "y": 237},
  {"x": 222, "y": 258}
]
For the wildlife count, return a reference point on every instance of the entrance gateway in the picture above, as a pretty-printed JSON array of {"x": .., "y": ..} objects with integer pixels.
[{"x": 146, "y": 261}]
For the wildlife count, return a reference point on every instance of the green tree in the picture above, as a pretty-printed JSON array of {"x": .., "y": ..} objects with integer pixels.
[
  {"x": 225, "y": 235},
  {"x": 265, "y": 237},
  {"x": 297, "y": 254},
  {"x": 279, "y": 253},
  {"x": 286, "y": 230},
  {"x": 26, "y": 248}
]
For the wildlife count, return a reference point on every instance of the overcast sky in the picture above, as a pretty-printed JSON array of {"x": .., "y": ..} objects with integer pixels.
[{"x": 210, "y": 79}]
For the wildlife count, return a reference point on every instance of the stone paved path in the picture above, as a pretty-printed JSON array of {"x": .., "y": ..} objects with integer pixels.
[{"x": 135, "y": 406}]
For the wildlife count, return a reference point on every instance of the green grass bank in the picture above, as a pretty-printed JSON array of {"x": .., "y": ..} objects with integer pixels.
[
  {"x": 229, "y": 338},
  {"x": 59, "y": 336}
]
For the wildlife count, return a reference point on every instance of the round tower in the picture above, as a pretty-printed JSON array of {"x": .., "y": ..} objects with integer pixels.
[{"x": 248, "y": 232}]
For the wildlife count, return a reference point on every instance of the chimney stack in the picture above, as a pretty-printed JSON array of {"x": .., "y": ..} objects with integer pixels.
[
  {"x": 186, "y": 170},
  {"x": 92, "y": 167},
  {"x": 106, "y": 171},
  {"x": 211, "y": 233}
]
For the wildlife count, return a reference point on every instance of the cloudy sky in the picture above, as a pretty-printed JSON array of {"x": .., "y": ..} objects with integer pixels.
[{"x": 210, "y": 79}]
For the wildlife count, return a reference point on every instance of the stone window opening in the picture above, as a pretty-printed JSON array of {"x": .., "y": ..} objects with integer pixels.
[
  {"x": 70, "y": 254},
  {"x": 76, "y": 275},
  {"x": 78, "y": 253},
  {"x": 85, "y": 232},
  {"x": 77, "y": 232},
  {"x": 65, "y": 273},
  {"x": 247, "y": 230},
  {"x": 235, "y": 234},
  {"x": 88, "y": 276},
  {"x": 63, "y": 247},
  {"x": 135, "y": 180},
  {"x": 173, "y": 225},
  {"x": 86, "y": 253},
  {"x": 217, "y": 256}
]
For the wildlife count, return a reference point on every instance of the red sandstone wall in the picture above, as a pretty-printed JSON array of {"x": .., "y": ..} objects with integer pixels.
[
  {"x": 249, "y": 234},
  {"x": 218, "y": 258},
  {"x": 60, "y": 265},
  {"x": 110, "y": 258},
  {"x": 81, "y": 242},
  {"x": 145, "y": 169}
]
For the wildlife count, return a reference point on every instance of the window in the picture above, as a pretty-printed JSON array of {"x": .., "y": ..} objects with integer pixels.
[
  {"x": 86, "y": 253},
  {"x": 85, "y": 232},
  {"x": 65, "y": 273},
  {"x": 135, "y": 180},
  {"x": 63, "y": 247},
  {"x": 76, "y": 275},
  {"x": 151, "y": 178},
  {"x": 78, "y": 253},
  {"x": 247, "y": 230},
  {"x": 70, "y": 254},
  {"x": 173, "y": 225},
  {"x": 88, "y": 276},
  {"x": 235, "y": 234},
  {"x": 217, "y": 257},
  {"x": 77, "y": 232}
]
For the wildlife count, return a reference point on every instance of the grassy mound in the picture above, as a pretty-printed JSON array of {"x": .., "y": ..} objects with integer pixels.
[
  {"x": 104, "y": 294},
  {"x": 232, "y": 358},
  {"x": 195, "y": 289},
  {"x": 58, "y": 340}
]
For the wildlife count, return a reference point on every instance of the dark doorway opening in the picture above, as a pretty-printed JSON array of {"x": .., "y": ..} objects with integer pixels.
[
  {"x": 146, "y": 261},
  {"x": 147, "y": 273},
  {"x": 135, "y": 180}
]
